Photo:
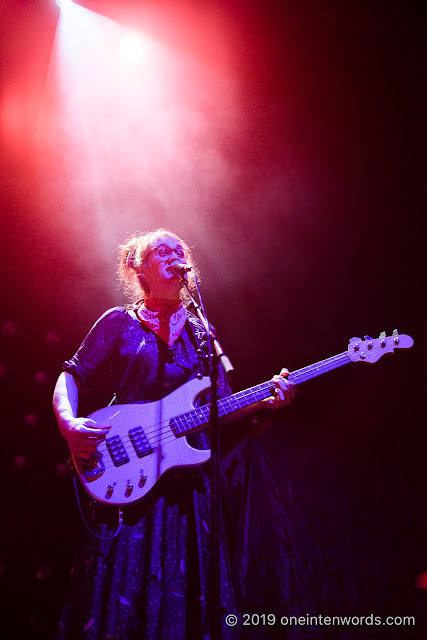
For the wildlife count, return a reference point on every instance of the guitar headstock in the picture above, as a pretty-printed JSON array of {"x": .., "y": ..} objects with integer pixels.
[{"x": 371, "y": 349}]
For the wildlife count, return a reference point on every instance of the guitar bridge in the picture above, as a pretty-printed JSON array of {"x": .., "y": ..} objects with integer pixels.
[{"x": 94, "y": 467}]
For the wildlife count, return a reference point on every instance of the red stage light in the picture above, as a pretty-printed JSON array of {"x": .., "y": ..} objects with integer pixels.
[{"x": 421, "y": 581}]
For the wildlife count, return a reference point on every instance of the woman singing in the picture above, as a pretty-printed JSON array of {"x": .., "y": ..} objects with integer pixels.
[{"x": 151, "y": 581}]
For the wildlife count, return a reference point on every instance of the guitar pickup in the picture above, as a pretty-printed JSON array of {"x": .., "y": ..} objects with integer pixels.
[
  {"x": 117, "y": 451},
  {"x": 140, "y": 442}
]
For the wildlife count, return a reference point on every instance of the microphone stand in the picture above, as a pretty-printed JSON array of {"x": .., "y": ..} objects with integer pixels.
[{"x": 214, "y": 604}]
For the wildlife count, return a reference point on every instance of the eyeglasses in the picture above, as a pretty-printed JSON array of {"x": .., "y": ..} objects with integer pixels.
[{"x": 164, "y": 251}]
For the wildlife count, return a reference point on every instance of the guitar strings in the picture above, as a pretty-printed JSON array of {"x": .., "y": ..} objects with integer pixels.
[
  {"x": 165, "y": 438},
  {"x": 297, "y": 377},
  {"x": 233, "y": 401}
]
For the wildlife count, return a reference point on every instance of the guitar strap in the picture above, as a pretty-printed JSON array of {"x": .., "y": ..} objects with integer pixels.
[
  {"x": 197, "y": 335},
  {"x": 131, "y": 360}
]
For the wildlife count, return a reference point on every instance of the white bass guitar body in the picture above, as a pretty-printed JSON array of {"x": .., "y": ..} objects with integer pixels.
[{"x": 141, "y": 446}]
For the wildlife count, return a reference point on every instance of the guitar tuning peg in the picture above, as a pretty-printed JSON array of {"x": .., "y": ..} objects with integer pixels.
[
  {"x": 395, "y": 332},
  {"x": 355, "y": 340},
  {"x": 367, "y": 337},
  {"x": 382, "y": 334}
]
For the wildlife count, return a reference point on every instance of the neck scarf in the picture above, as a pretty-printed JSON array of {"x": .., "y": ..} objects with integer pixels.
[{"x": 165, "y": 317}]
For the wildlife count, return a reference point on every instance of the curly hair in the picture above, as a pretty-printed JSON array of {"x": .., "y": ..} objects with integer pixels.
[{"x": 133, "y": 254}]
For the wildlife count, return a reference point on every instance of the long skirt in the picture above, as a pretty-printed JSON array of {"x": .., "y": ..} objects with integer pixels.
[{"x": 151, "y": 582}]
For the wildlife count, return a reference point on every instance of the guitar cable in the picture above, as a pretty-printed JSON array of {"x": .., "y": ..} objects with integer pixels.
[{"x": 119, "y": 527}]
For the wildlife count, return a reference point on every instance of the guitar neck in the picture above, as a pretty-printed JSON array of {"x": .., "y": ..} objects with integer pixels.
[{"x": 199, "y": 418}]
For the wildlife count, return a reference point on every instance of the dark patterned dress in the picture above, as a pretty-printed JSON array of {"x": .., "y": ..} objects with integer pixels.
[{"x": 151, "y": 582}]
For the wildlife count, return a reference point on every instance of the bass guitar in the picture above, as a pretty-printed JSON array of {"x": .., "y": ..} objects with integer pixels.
[{"x": 147, "y": 440}]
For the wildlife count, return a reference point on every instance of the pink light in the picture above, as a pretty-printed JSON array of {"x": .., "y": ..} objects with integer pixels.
[
  {"x": 131, "y": 133},
  {"x": 132, "y": 48}
]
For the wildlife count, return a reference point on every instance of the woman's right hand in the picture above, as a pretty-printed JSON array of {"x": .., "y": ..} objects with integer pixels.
[{"x": 83, "y": 436}]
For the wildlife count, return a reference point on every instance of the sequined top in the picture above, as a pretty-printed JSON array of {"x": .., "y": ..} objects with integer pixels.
[{"x": 140, "y": 366}]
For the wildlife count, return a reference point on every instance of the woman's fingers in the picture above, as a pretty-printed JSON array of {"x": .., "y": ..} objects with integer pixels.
[{"x": 284, "y": 390}]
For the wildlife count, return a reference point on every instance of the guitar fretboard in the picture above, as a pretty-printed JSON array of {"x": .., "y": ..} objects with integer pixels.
[{"x": 199, "y": 418}]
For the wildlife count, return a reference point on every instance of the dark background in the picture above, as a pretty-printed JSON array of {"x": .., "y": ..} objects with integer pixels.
[{"x": 319, "y": 239}]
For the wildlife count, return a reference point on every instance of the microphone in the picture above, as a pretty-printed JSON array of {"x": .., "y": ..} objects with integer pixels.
[{"x": 180, "y": 269}]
